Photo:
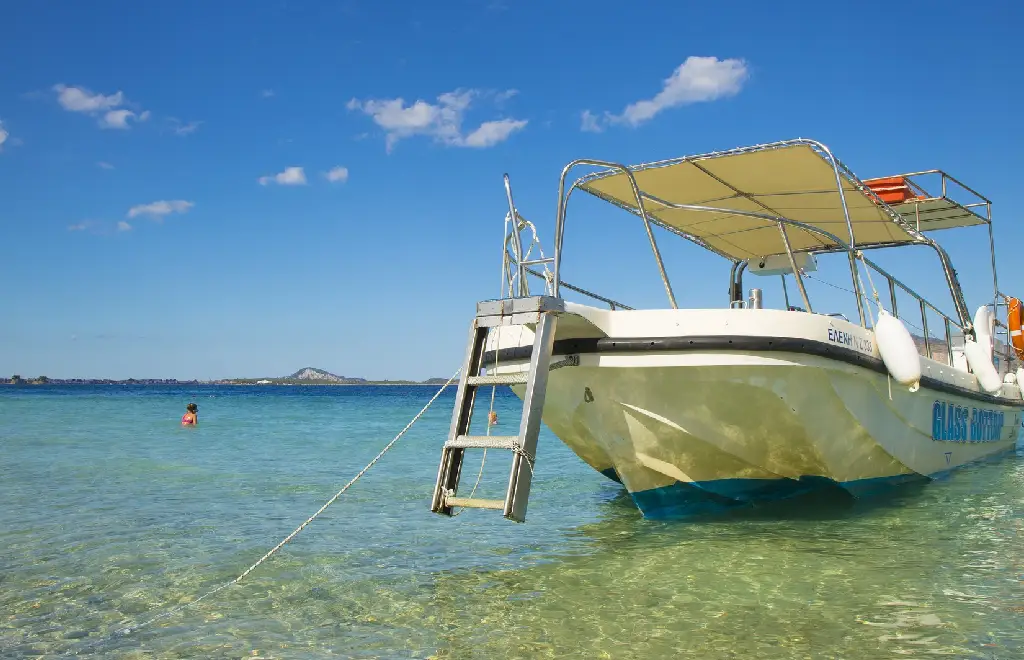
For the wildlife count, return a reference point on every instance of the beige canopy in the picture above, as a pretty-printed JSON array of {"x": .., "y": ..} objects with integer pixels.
[{"x": 794, "y": 181}]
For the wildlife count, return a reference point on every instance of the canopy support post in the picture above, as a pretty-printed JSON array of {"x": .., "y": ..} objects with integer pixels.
[
  {"x": 853, "y": 243},
  {"x": 796, "y": 271},
  {"x": 732, "y": 282},
  {"x": 856, "y": 289},
  {"x": 995, "y": 278},
  {"x": 560, "y": 222}
]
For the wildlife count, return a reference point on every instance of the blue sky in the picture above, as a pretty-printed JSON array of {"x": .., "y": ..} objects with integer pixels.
[{"x": 204, "y": 190}]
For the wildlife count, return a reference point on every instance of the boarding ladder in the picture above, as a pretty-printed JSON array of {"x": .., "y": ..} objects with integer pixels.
[{"x": 540, "y": 313}]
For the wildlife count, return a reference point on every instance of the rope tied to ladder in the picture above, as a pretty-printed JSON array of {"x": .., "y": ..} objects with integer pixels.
[
  {"x": 130, "y": 629},
  {"x": 492, "y": 419}
]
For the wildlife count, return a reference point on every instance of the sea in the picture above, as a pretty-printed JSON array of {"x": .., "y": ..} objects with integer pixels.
[{"x": 114, "y": 520}]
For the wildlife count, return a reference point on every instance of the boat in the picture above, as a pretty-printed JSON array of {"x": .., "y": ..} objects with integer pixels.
[{"x": 697, "y": 410}]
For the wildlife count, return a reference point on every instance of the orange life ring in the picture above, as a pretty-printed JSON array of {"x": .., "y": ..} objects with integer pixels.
[{"x": 1014, "y": 319}]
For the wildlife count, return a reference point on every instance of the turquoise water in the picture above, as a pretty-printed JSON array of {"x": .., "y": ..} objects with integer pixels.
[{"x": 112, "y": 513}]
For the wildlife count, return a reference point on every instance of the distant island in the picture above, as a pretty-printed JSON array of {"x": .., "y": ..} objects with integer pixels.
[
  {"x": 304, "y": 376},
  {"x": 314, "y": 376}
]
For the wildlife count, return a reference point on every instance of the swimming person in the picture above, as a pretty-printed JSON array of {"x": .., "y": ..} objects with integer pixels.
[{"x": 191, "y": 416}]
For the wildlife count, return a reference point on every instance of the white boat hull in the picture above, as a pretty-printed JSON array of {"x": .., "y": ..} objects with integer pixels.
[{"x": 693, "y": 431}]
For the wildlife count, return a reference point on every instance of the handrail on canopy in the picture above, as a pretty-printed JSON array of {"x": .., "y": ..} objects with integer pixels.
[{"x": 560, "y": 225}]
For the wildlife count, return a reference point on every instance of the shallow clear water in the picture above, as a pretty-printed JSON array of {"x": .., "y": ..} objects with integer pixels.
[{"x": 111, "y": 513}]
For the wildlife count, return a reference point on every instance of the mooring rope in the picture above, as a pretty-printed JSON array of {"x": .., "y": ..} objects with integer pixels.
[{"x": 130, "y": 629}]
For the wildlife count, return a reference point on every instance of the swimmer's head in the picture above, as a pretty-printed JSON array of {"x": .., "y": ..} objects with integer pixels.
[{"x": 192, "y": 408}]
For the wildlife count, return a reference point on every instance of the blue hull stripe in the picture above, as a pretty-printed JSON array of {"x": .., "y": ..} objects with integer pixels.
[{"x": 707, "y": 497}]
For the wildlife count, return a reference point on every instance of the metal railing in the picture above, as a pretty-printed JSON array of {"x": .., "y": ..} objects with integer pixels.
[
  {"x": 1010, "y": 354},
  {"x": 946, "y": 179},
  {"x": 516, "y": 264},
  {"x": 612, "y": 304},
  {"x": 923, "y": 305}
]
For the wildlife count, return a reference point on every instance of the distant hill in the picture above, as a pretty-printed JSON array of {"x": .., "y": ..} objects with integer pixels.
[{"x": 320, "y": 375}]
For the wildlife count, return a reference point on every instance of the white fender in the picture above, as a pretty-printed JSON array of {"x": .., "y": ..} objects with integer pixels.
[
  {"x": 981, "y": 364},
  {"x": 1020, "y": 380},
  {"x": 984, "y": 321},
  {"x": 899, "y": 353}
]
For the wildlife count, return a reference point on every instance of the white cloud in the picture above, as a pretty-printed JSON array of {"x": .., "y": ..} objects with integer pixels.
[
  {"x": 104, "y": 165},
  {"x": 123, "y": 226},
  {"x": 267, "y": 93},
  {"x": 110, "y": 108},
  {"x": 291, "y": 176},
  {"x": 157, "y": 210},
  {"x": 591, "y": 123},
  {"x": 501, "y": 97},
  {"x": 3, "y": 135},
  {"x": 119, "y": 118},
  {"x": 184, "y": 129},
  {"x": 696, "y": 80},
  {"x": 81, "y": 226},
  {"x": 337, "y": 174},
  {"x": 441, "y": 121},
  {"x": 80, "y": 99},
  {"x": 491, "y": 133}
]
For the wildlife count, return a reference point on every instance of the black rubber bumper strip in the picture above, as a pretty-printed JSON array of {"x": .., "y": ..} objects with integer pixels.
[{"x": 730, "y": 343}]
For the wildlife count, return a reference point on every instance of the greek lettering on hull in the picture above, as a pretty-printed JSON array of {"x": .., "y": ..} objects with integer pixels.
[{"x": 849, "y": 340}]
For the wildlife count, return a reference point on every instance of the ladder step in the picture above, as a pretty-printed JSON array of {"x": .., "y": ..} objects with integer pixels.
[
  {"x": 544, "y": 312},
  {"x": 484, "y": 442},
  {"x": 474, "y": 503},
  {"x": 499, "y": 379}
]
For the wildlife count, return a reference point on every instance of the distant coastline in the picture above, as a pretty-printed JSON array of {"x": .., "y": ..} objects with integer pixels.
[
  {"x": 254, "y": 382},
  {"x": 289, "y": 381},
  {"x": 304, "y": 376}
]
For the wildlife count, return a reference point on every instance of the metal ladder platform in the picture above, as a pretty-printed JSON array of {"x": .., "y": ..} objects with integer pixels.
[{"x": 542, "y": 313}]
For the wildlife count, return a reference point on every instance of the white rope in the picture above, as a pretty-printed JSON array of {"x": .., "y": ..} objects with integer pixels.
[
  {"x": 520, "y": 223},
  {"x": 175, "y": 610},
  {"x": 867, "y": 300},
  {"x": 827, "y": 283},
  {"x": 854, "y": 293},
  {"x": 494, "y": 389},
  {"x": 874, "y": 291}
]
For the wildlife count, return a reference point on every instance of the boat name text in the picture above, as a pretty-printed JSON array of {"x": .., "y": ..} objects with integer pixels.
[
  {"x": 846, "y": 339},
  {"x": 956, "y": 423}
]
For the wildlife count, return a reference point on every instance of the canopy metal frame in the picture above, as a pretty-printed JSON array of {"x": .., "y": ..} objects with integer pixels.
[{"x": 849, "y": 246}]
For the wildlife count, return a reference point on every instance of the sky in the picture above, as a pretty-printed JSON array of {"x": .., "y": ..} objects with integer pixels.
[{"x": 212, "y": 190}]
